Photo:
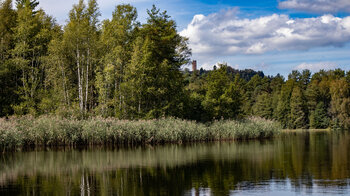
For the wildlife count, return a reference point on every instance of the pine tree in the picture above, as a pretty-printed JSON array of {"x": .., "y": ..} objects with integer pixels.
[
  {"x": 319, "y": 118},
  {"x": 164, "y": 52},
  {"x": 253, "y": 88},
  {"x": 276, "y": 86},
  {"x": 340, "y": 102},
  {"x": 263, "y": 106},
  {"x": 283, "y": 107},
  {"x": 305, "y": 78},
  {"x": 32, "y": 4},
  {"x": 222, "y": 99},
  {"x": 7, "y": 23},
  {"x": 32, "y": 35},
  {"x": 8, "y": 72},
  {"x": 230, "y": 102},
  {"x": 298, "y": 114}
]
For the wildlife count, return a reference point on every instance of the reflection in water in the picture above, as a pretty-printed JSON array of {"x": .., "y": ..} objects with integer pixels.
[{"x": 308, "y": 163}]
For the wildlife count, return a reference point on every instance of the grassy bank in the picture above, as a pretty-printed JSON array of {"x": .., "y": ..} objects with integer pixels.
[{"x": 55, "y": 131}]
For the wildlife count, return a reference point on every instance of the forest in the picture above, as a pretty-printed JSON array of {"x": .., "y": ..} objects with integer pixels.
[{"x": 124, "y": 69}]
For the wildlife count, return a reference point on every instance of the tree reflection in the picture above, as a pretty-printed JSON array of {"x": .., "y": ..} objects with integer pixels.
[{"x": 303, "y": 160}]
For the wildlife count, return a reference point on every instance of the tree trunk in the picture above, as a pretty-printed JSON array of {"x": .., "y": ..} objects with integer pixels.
[
  {"x": 64, "y": 83},
  {"x": 87, "y": 80},
  {"x": 80, "y": 88}
]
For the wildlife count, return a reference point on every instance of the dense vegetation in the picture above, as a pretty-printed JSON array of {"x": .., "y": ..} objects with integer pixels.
[
  {"x": 124, "y": 69},
  {"x": 321, "y": 100},
  {"x": 54, "y": 131}
]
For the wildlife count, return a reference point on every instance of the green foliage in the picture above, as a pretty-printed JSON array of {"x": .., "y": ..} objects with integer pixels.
[
  {"x": 340, "y": 103},
  {"x": 8, "y": 71},
  {"x": 223, "y": 98},
  {"x": 117, "y": 39},
  {"x": 27, "y": 3},
  {"x": 298, "y": 115},
  {"x": 32, "y": 34},
  {"x": 128, "y": 70},
  {"x": 283, "y": 108},
  {"x": 263, "y": 106},
  {"x": 319, "y": 119},
  {"x": 7, "y": 22},
  {"x": 153, "y": 84}
]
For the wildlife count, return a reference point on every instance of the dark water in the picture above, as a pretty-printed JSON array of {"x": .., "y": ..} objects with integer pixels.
[{"x": 316, "y": 163}]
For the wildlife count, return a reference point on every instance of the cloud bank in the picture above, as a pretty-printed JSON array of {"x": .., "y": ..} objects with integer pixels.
[
  {"x": 226, "y": 34},
  {"x": 316, "y": 66},
  {"x": 316, "y": 6}
]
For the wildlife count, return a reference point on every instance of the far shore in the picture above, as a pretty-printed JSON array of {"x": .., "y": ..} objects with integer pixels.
[{"x": 308, "y": 130}]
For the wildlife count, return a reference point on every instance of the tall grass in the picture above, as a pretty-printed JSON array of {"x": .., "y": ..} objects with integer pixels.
[{"x": 56, "y": 131}]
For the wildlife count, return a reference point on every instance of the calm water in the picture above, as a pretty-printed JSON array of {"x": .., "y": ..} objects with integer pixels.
[{"x": 296, "y": 163}]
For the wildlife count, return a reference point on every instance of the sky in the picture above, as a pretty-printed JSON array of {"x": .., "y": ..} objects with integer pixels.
[{"x": 273, "y": 36}]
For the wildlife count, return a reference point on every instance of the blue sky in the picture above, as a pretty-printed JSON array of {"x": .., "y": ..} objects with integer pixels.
[{"x": 274, "y": 36}]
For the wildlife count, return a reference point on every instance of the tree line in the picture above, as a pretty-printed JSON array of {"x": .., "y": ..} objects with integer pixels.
[
  {"x": 116, "y": 67},
  {"x": 122, "y": 68},
  {"x": 303, "y": 100}
]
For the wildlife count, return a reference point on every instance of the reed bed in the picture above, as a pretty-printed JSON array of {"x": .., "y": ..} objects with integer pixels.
[{"x": 19, "y": 132}]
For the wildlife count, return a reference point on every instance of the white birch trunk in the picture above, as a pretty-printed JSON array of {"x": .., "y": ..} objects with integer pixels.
[
  {"x": 64, "y": 83},
  {"x": 87, "y": 80},
  {"x": 80, "y": 89}
]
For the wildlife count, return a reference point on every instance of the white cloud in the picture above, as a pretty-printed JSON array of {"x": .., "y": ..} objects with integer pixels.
[
  {"x": 225, "y": 34},
  {"x": 261, "y": 66},
  {"x": 316, "y": 6},
  {"x": 317, "y": 66}
]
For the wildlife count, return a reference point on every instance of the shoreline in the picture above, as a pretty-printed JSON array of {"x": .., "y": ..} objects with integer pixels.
[{"x": 305, "y": 130}]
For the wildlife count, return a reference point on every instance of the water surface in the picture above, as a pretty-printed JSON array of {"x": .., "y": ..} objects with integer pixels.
[{"x": 308, "y": 163}]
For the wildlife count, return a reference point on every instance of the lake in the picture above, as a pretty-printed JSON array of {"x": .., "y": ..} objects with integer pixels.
[{"x": 307, "y": 163}]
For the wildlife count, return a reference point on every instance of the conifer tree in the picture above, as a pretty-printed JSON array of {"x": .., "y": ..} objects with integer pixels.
[
  {"x": 283, "y": 107},
  {"x": 276, "y": 85},
  {"x": 319, "y": 118},
  {"x": 7, "y": 23},
  {"x": 305, "y": 78},
  {"x": 8, "y": 72},
  {"x": 230, "y": 102},
  {"x": 263, "y": 106},
  {"x": 164, "y": 54},
  {"x": 340, "y": 103},
  {"x": 298, "y": 110},
  {"x": 32, "y": 35},
  {"x": 253, "y": 88},
  {"x": 223, "y": 97},
  {"x": 32, "y": 4}
]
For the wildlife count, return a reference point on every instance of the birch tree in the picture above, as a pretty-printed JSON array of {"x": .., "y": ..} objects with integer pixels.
[
  {"x": 32, "y": 35},
  {"x": 117, "y": 39},
  {"x": 80, "y": 40}
]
